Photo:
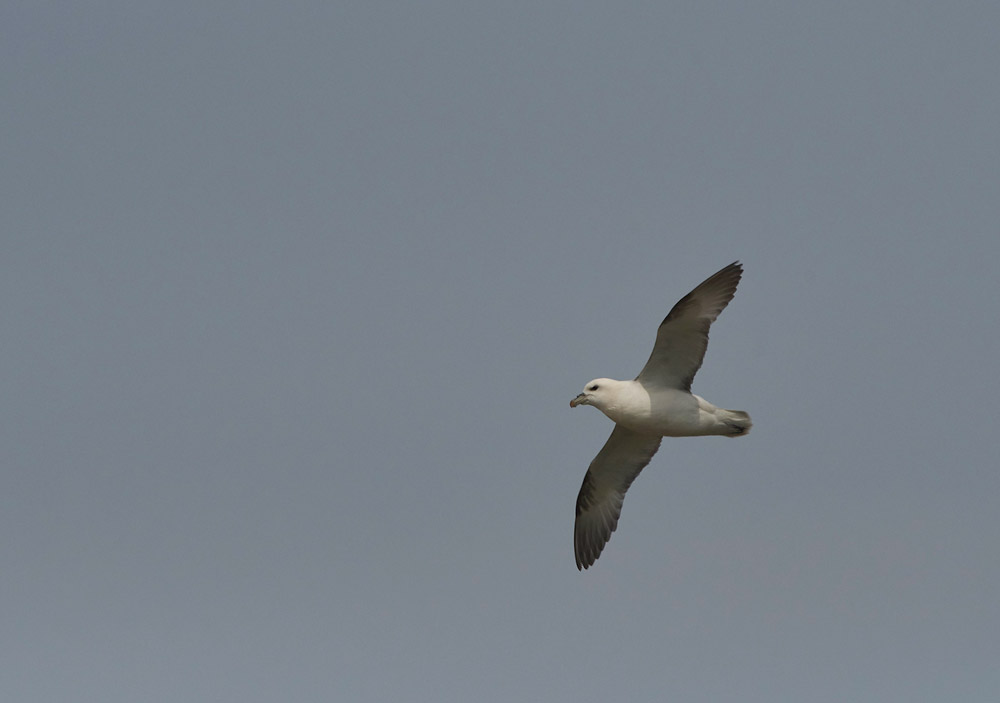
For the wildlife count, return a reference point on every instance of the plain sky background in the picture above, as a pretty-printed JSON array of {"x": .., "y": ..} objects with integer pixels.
[{"x": 294, "y": 296}]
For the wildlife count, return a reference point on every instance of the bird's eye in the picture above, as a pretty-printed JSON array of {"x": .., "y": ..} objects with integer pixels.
[{"x": 593, "y": 387}]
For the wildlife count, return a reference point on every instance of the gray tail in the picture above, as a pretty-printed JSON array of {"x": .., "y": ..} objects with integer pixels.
[{"x": 738, "y": 421}]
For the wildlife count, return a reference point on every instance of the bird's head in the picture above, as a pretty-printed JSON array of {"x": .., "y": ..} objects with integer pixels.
[{"x": 594, "y": 393}]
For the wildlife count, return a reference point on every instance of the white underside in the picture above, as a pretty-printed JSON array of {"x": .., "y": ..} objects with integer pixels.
[{"x": 667, "y": 412}]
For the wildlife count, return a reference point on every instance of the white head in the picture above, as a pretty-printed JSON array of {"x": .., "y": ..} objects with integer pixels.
[{"x": 595, "y": 393}]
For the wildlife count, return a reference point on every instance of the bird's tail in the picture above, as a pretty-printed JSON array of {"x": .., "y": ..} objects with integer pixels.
[{"x": 737, "y": 421}]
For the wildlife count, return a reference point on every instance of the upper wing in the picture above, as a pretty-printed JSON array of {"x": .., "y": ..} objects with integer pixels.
[
  {"x": 599, "y": 504},
  {"x": 682, "y": 337}
]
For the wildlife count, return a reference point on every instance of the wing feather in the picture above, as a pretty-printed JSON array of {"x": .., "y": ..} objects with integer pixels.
[
  {"x": 682, "y": 337},
  {"x": 599, "y": 504}
]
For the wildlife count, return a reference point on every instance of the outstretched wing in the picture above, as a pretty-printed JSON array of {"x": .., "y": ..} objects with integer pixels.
[
  {"x": 599, "y": 503},
  {"x": 682, "y": 337}
]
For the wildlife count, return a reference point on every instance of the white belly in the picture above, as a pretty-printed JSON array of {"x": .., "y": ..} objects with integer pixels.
[{"x": 666, "y": 412}]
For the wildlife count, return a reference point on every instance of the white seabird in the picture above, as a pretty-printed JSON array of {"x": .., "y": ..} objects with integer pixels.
[{"x": 657, "y": 404}]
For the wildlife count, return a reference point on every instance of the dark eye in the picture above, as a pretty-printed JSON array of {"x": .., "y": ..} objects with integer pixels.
[{"x": 593, "y": 387}]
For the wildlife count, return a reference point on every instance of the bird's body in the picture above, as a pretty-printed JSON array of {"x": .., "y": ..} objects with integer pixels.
[
  {"x": 665, "y": 412},
  {"x": 657, "y": 403}
]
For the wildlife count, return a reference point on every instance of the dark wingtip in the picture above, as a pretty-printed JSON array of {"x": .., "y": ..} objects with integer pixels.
[{"x": 735, "y": 266}]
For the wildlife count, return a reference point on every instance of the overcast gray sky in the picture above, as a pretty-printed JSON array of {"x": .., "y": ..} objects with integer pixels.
[{"x": 293, "y": 298}]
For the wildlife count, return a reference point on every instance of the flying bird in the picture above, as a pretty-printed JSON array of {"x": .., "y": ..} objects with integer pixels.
[{"x": 657, "y": 404}]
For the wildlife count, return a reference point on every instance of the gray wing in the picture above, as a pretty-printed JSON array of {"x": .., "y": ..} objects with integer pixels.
[
  {"x": 599, "y": 504},
  {"x": 682, "y": 337}
]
